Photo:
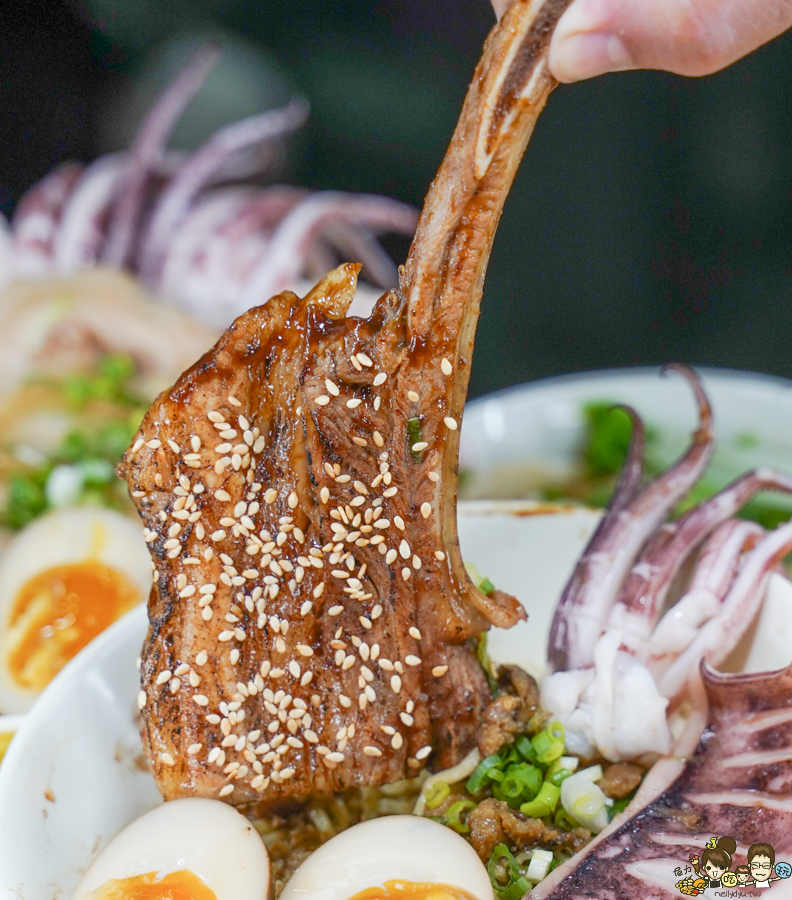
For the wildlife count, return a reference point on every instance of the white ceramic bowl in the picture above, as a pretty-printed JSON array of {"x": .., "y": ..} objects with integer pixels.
[
  {"x": 74, "y": 774},
  {"x": 513, "y": 437}
]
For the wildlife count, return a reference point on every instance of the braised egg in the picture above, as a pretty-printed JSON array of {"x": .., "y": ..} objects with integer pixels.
[
  {"x": 392, "y": 858},
  {"x": 63, "y": 579},
  {"x": 188, "y": 849}
]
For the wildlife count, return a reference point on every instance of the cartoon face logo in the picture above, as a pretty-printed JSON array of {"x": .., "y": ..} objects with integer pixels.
[
  {"x": 712, "y": 869},
  {"x": 761, "y": 858}
]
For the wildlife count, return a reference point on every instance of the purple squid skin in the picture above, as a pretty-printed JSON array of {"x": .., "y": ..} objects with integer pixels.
[{"x": 738, "y": 782}]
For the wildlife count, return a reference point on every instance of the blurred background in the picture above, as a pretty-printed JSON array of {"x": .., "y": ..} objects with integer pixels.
[{"x": 651, "y": 220}]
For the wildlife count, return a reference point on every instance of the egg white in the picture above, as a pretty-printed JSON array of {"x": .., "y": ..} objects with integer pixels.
[
  {"x": 393, "y": 847},
  {"x": 207, "y": 837},
  {"x": 65, "y": 537}
]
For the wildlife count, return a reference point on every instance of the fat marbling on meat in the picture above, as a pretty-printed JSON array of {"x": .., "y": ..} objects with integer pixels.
[{"x": 311, "y": 618}]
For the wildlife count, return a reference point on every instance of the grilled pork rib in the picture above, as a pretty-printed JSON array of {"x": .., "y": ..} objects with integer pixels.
[{"x": 311, "y": 617}]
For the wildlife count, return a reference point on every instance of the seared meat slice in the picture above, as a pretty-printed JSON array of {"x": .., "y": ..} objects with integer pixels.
[{"x": 311, "y": 616}]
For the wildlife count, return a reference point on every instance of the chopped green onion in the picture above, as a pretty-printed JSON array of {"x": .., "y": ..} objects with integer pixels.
[
  {"x": 516, "y": 890},
  {"x": 544, "y": 803},
  {"x": 539, "y": 865},
  {"x": 521, "y": 783},
  {"x": 562, "y": 820},
  {"x": 503, "y": 863},
  {"x": 486, "y": 662},
  {"x": 415, "y": 436},
  {"x": 549, "y": 743},
  {"x": 525, "y": 748},
  {"x": 485, "y": 770},
  {"x": 454, "y": 815},
  {"x": 558, "y": 776},
  {"x": 570, "y": 763},
  {"x": 436, "y": 794},
  {"x": 584, "y": 801},
  {"x": 486, "y": 586},
  {"x": 620, "y": 805}
]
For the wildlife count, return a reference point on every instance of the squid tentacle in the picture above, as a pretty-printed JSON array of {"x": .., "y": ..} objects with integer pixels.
[
  {"x": 147, "y": 152},
  {"x": 200, "y": 168},
  {"x": 721, "y": 634},
  {"x": 715, "y": 573},
  {"x": 640, "y": 604},
  {"x": 584, "y": 607}
]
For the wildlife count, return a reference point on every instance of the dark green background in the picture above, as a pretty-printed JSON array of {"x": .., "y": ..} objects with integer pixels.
[{"x": 651, "y": 219}]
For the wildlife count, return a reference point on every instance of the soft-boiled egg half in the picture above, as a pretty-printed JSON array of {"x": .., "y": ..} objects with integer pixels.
[
  {"x": 392, "y": 858},
  {"x": 189, "y": 849},
  {"x": 63, "y": 579}
]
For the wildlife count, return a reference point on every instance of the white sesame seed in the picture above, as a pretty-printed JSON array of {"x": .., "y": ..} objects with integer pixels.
[
  {"x": 200, "y": 699},
  {"x": 414, "y": 633},
  {"x": 292, "y": 501},
  {"x": 372, "y": 751},
  {"x": 390, "y": 556},
  {"x": 391, "y": 492},
  {"x": 439, "y": 555},
  {"x": 406, "y": 573},
  {"x": 270, "y": 496},
  {"x": 137, "y": 445},
  {"x": 225, "y": 636},
  {"x": 396, "y": 684},
  {"x": 322, "y": 400},
  {"x": 201, "y": 658},
  {"x": 335, "y": 757},
  {"x": 445, "y": 366},
  {"x": 412, "y": 660},
  {"x": 141, "y": 699},
  {"x": 416, "y": 562},
  {"x": 423, "y": 752},
  {"x": 215, "y": 416},
  {"x": 304, "y": 650},
  {"x": 163, "y": 677},
  {"x": 194, "y": 748},
  {"x": 154, "y": 444},
  {"x": 426, "y": 510},
  {"x": 379, "y": 379},
  {"x": 354, "y": 403},
  {"x": 411, "y": 395},
  {"x": 167, "y": 759},
  {"x": 228, "y": 789},
  {"x": 404, "y": 549},
  {"x": 419, "y": 446},
  {"x": 335, "y": 611},
  {"x": 332, "y": 388},
  {"x": 233, "y": 400},
  {"x": 451, "y": 424},
  {"x": 433, "y": 476}
]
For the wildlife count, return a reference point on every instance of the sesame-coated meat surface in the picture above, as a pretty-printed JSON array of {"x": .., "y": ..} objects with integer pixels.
[{"x": 311, "y": 619}]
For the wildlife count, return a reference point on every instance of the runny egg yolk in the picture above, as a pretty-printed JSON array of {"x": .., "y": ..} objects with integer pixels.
[
  {"x": 411, "y": 890},
  {"x": 181, "y": 885},
  {"x": 58, "y": 612}
]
